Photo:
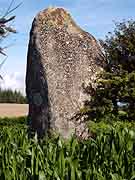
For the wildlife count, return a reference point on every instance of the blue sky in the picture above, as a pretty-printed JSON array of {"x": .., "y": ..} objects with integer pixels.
[{"x": 94, "y": 16}]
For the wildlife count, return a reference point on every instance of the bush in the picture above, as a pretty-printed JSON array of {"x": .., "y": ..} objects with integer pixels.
[
  {"x": 114, "y": 96},
  {"x": 16, "y": 121}
]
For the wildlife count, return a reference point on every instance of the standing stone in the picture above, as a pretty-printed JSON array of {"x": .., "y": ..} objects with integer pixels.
[{"x": 61, "y": 58}]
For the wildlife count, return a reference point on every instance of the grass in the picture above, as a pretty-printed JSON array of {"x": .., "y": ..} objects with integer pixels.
[
  {"x": 110, "y": 156},
  {"x": 15, "y": 121}
]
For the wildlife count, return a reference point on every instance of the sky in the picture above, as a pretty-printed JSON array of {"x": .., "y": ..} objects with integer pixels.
[{"x": 94, "y": 16}]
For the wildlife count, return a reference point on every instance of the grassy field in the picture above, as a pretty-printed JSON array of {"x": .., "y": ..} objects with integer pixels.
[
  {"x": 109, "y": 156},
  {"x": 13, "y": 110}
]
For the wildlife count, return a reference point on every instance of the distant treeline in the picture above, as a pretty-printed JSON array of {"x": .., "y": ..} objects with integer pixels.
[{"x": 10, "y": 96}]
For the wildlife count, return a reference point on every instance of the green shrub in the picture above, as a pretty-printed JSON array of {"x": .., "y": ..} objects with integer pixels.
[{"x": 16, "y": 121}]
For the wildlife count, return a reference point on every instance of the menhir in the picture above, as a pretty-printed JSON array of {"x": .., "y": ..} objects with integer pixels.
[{"x": 61, "y": 57}]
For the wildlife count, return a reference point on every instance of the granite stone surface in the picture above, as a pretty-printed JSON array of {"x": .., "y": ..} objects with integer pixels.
[{"x": 61, "y": 58}]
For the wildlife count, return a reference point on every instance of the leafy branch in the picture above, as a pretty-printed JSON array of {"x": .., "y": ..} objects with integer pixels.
[{"x": 5, "y": 29}]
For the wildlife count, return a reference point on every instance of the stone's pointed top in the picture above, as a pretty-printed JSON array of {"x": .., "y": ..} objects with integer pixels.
[
  {"x": 51, "y": 9},
  {"x": 57, "y": 17},
  {"x": 55, "y": 13}
]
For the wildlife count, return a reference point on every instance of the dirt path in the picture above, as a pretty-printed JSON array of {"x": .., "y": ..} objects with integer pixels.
[{"x": 13, "y": 110}]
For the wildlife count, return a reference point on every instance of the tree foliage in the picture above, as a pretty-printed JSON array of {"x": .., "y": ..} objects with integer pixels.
[
  {"x": 9, "y": 96},
  {"x": 5, "y": 28},
  {"x": 114, "y": 97},
  {"x": 120, "y": 46}
]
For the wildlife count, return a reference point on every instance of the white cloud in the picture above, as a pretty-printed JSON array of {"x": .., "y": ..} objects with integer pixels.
[{"x": 14, "y": 81}]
